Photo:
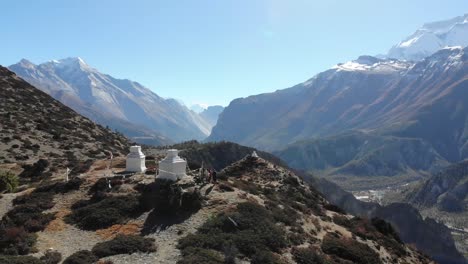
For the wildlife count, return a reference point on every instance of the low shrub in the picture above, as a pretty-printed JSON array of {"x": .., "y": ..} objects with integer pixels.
[
  {"x": 200, "y": 255},
  {"x": 51, "y": 257},
  {"x": 61, "y": 187},
  {"x": 334, "y": 208},
  {"x": 80, "y": 166},
  {"x": 81, "y": 257},
  {"x": 8, "y": 181},
  {"x": 385, "y": 228},
  {"x": 105, "y": 212},
  {"x": 342, "y": 221},
  {"x": 41, "y": 200},
  {"x": 307, "y": 256},
  {"x": 28, "y": 216},
  {"x": 297, "y": 239},
  {"x": 265, "y": 257},
  {"x": 124, "y": 244},
  {"x": 349, "y": 249},
  {"x": 19, "y": 260},
  {"x": 169, "y": 199},
  {"x": 34, "y": 171},
  {"x": 16, "y": 241},
  {"x": 250, "y": 229}
]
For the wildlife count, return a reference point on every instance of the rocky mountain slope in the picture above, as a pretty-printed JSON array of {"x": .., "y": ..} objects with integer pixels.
[
  {"x": 446, "y": 190},
  {"x": 432, "y": 37},
  {"x": 120, "y": 104},
  {"x": 443, "y": 197},
  {"x": 424, "y": 102},
  {"x": 258, "y": 213},
  {"x": 33, "y": 125},
  {"x": 429, "y": 236}
]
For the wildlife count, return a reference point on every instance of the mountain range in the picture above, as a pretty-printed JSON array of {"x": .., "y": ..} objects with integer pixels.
[
  {"x": 379, "y": 100},
  {"x": 120, "y": 104},
  {"x": 47, "y": 129}
]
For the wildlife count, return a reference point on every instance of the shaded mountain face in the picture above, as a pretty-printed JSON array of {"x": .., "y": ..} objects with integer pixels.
[
  {"x": 211, "y": 114},
  {"x": 121, "y": 104},
  {"x": 429, "y": 236},
  {"x": 432, "y": 37},
  {"x": 446, "y": 190},
  {"x": 363, "y": 154},
  {"x": 33, "y": 125},
  {"x": 422, "y": 103}
]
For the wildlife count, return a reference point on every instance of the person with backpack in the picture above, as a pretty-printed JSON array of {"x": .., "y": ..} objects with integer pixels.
[{"x": 214, "y": 176}]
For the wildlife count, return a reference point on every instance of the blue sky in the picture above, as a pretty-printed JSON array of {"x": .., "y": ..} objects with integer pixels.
[{"x": 211, "y": 51}]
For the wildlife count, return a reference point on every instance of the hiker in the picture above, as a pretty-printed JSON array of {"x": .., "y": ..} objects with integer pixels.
[
  {"x": 210, "y": 175},
  {"x": 213, "y": 176},
  {"x": 202, "y": 175}
]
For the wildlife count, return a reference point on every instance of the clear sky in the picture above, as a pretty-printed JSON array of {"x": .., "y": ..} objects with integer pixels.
[{"x": 211, "y": 51}]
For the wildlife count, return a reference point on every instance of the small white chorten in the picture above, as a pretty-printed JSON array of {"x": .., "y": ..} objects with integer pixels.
[
  {"x": 254, "y": 154},
  {"x": 135, "y": 160},
  {"x": 172, "y": 167}
]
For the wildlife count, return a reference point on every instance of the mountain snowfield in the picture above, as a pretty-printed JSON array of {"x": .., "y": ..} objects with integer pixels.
[
  {"x": 432, "y": 37},
  {"x": 119, "y": 103}
]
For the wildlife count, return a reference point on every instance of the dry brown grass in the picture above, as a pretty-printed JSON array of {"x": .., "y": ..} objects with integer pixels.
[{"x": 132, "y": 228}]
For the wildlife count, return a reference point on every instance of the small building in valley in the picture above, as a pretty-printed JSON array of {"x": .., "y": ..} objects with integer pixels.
[
  {"x": 172, "y": 167},
  {"x": 135, "y": 160}
]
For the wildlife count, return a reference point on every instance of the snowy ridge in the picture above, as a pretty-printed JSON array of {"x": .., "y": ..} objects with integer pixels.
[
  {"x": 368, "y": 63},
  {"x": 431, "y": 38}
]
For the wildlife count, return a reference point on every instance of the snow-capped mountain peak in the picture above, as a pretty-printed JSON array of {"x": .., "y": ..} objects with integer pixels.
[
  {"x": 432, "y": 37},
  {"x": 369, "y": 63},
  {"x": 71, "y": 62}
]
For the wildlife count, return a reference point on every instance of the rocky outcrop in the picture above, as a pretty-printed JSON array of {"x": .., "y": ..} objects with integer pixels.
[{"x": 427, "y": 235}]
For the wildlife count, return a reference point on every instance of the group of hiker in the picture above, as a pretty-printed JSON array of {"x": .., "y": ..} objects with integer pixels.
[{"x": 208, "y": 175}]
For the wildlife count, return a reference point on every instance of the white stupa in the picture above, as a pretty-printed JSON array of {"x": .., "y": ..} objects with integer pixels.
[
  {"x": 172, "y": 167},
  {"x": 135, "y": 160}
]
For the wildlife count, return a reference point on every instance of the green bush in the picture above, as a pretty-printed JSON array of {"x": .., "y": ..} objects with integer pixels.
[
  {"x": 8, "y": 181},
  {"x": 265, "y": 257},
  {"x": 250, "y": 229},
  {"x": 61, "y": 187},
  {"x": 81, "y": 257},
  {"x": 35, "y": 170},
  {"x": 19, "y": 260},
  {"x": 307, "y": 256},
  {"x": 349, "y": 249},
  {"x": 169, "y": 199},
  {"x": 193, "y": 255},
  {"x": 41, "y": 200},
  {"x": 334, "y": 208},
  {"x": 28, "y": 216},
  {"x": 124, "y": 244},
  {"x": 105, "y": 213},
  {"x": 385, "y": 228},
  {"x": 342, "y": 221},
  {"x": 51, "y": 257},
  {"x": 16, "y": 241}
]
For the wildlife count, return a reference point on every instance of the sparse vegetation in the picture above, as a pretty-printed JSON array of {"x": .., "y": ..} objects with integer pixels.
[
  {"x": 104, "y": 212},
  {"x": 251, "y": 229},
  {"x": 124, "y": 244},
  {"x": 81, "y": 257},
  {"x": 307, "y": 256},
  {"x": 51, "y": 257},
  {"x": 8, "y": 181},
  {"x": 349, "y": 249},
  {"x": 19, "y": 260}
]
